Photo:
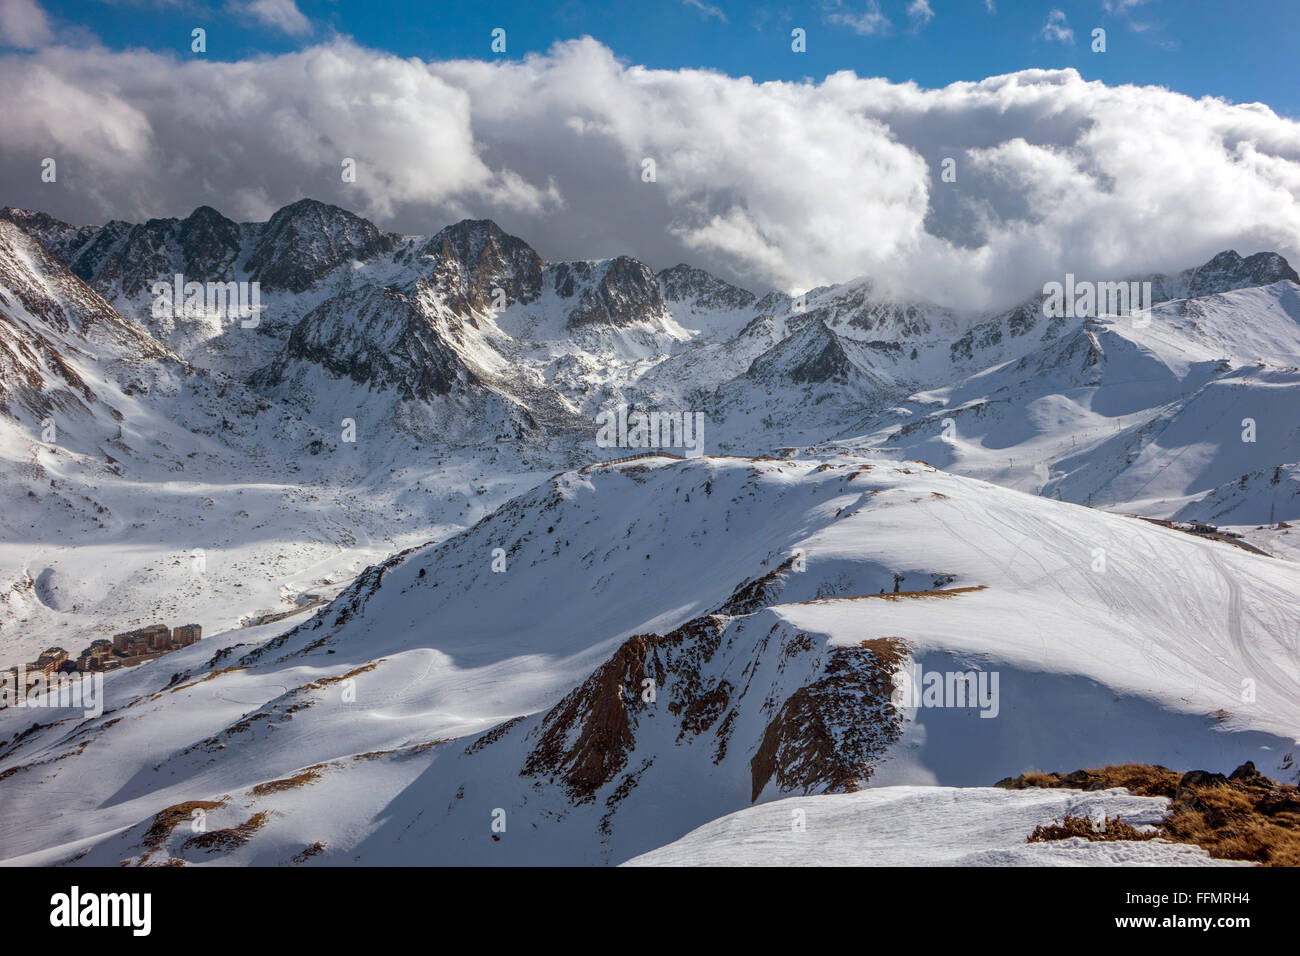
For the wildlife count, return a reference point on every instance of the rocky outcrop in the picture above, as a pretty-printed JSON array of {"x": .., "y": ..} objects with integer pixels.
[
  {"x": 470, "y": 261},
  {"x": 308, "y": 239},
  {"x": 614, "y": 292},
  {"x": 698, "y": 289}
]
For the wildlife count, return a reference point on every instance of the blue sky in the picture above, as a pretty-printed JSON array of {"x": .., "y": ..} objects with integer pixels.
[{"x": 1244, "y": 50}]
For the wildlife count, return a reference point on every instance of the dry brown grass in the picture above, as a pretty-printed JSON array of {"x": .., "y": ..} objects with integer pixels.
[
  {"x": 898, "y": 595},
  {"x": 326, "y": 681},
  {"x": 1240, "y": 821},
  {"x": 308, "y": 852},
  {"x": 287, "y": 783},
  {"x": 1245, "y": 816},
  {"x": 165, "y": 821},
  {"x": 218, "y": 841},
  {"x": 207, "y": 677},
  {"x": 1143, "y": 780},
  {"x": 1110, "y": 829}
]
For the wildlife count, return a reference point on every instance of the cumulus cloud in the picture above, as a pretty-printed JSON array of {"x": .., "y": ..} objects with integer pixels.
[
  {"x": 919, "y": 12},
  {"x": 282, "y": 15},
  {"x": 867, "y": 20},
  {"x": 23, "y": 24},
  {"x": 132, "y": 128},
  {"x": 780, "y": 184},
  {"x": 1057, "y": 28}
]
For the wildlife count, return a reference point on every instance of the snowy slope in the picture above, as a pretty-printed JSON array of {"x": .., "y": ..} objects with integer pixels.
[
  {"x": 925, "y": 826},
  {"x": 768, "y": 681},
  {"x": 1147, "y": 415},
  {"x": 138, "y": 487},
  {"x": 496, "y": 617}
]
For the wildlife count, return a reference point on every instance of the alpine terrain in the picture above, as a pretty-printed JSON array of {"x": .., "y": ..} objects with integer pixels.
[{"x": 500, "y": 560}]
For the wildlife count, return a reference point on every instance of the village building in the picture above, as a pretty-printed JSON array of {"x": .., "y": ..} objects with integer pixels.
[
  {"x": 49, "y": 661},
  {"x": 155, "y": 637},
  {"x": 94, "y": 657},
  {"x": 186, "y": 634},
  {"x": 123, "y": 650}
]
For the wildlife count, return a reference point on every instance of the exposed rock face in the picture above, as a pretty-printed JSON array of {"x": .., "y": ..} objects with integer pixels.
[
  {"x": 308, "y": 239},
  {"x": 474, "y": 308},
  {"x": 1225, "y": 272},
  {"x": 89, "y": 258},
  {"x": 209, "y": 244},
  {"x": 819, "y": 736},
  {"x": 380, "y": 337},
  {"x": 699, "y": 289},
  {"x": 773, "y": 303},
  {"x": 473, "y": 258},
  {"x": 59, "y": 238},
  {"x": 718, "y": 676},
  {"x": 586, "y": 739},
  {"x": 128, "y": 259},
  {"x": 49, "y": 320},
  {"x": 814, "y": 354},
  {"x": 298, "y": 245},
  {"x": 616, "y": 292},
  {"x": 827, "y": 735}
]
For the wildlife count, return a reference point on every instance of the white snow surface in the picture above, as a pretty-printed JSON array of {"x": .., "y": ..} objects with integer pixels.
[
  {"x": 414, "y": 706},
  {"x": 926, "y": 826},
  {"x": 1143, "y": 662}
]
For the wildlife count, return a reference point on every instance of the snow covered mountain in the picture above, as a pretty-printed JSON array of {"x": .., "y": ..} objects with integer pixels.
[
  {"x": 1163, "y": 414},
  {"x": 604, "y": 658},
  {"x": 139, "y": 482},
  {"x": 667, "y": 642}
]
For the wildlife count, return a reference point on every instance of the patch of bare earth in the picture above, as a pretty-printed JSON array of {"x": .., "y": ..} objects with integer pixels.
[
  {"x": 1243, "y": 816},
  {"x": 1107, "y": 830},
  {"x": 223, "y": 841},
  {"x": 828, "y": 734},
  {"x": 308, "y": 852},
  {"x": 167, "y": 820},
  {"x": 287, "y": 783},
  {"x": 586, "y": 738}
]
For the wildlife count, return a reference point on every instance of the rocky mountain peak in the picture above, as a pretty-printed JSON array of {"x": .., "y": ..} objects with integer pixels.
[
  {"x": 474, "y": 257},
  {"x": 307, "y": 239},
  {"x": 209, "y": 243},
  {"x": 811, "y": 355},
  {"x": 1228, "y": 271},
  {"x": 702, "y": 290},
  {"x": 617, "y": 292}
]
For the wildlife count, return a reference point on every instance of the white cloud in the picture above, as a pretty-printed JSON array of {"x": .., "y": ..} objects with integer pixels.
[
  {"x": 282, "y": 15},
  {"x": 868, "y": 21},
  {"x": 786, "y": 184},
  {"x": 919, "y": 12},
  {"x": 706, "y": 10},
  {"x": 23, "y": 24},
  {"x": 1057, "y": 28}
]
